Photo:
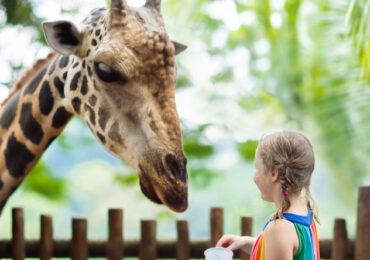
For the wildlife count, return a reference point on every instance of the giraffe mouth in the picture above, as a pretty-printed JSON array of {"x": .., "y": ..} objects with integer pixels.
[
  {"x": 148, "y": 190},
  {"x": 162, "y": 191}
]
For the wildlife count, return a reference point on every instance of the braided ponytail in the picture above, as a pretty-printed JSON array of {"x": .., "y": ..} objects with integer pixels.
[{"x": 292, "y": 154}]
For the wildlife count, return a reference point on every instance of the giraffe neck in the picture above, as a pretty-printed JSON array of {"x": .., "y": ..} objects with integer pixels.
[{"x": 29, "y": 121}]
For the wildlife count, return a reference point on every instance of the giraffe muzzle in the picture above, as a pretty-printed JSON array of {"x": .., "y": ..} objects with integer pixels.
[{"x": 166, "y": 182}]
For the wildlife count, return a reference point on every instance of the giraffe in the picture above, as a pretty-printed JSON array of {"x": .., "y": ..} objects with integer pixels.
[{"x": 116, "y": 70}]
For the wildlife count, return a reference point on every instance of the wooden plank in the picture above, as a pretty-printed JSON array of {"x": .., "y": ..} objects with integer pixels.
[
  {"x": 246, "y": 231},
  {"x": 79, "y": 239},
  {"x": 115, "y": 241},
  {"x": 183, "y": 242},
  {"x": 165, "y": 248},
  {"x": 216, "y": 225},
  {"x": 362, "y": 246},
  {"x": 18, "y": 244},
  {"x": 46, "y": 238},
  {"x": 148, "y": 249},
  {"x": 340, "y": 240}
]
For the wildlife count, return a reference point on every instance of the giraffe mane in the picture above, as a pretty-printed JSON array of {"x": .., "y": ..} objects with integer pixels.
[{"x": 28, "y": 75}]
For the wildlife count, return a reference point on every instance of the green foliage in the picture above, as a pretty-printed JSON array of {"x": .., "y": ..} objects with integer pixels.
[
  {"x": 202, "y": 177},
  {"x": 194, "y": 147},
  {"x": 41, "y": 181},
  {"x": 247, "y": 150},
  {"x": 20, "y": 12},
  {"x": 183, "y": 81},
  {"x": 225, "y": 75},
  {"x": 127, "y": 179},
  {"x": 358, "y": 20}
]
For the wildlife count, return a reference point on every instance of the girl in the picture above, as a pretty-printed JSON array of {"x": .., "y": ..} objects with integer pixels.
[{"x": 284, "y": 164}]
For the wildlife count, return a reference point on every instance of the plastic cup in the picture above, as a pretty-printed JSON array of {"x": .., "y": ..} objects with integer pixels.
[{"x": 218, "y": 253}]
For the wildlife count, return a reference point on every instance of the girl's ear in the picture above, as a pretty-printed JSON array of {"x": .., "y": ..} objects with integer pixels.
[
  {"x": 63, "y": 36},
  {"x": 275, "y": 177}
]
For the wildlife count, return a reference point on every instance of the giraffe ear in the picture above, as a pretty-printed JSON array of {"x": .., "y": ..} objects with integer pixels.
[
  {"x": 179, "y": 47},
  {"x": 62, "y": 36}
]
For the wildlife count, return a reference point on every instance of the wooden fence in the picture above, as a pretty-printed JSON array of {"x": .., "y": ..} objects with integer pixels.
[{"x": 149, "y": 248}]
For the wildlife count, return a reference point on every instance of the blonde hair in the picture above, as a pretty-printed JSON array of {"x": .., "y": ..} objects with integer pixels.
[{"x": 292, "y": 154}]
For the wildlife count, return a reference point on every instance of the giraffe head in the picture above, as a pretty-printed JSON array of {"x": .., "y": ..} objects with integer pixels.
[{"x": 121, "y": 82}]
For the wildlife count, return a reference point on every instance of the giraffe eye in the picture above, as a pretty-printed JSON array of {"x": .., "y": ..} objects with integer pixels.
[{"x": 106, "y": 73}]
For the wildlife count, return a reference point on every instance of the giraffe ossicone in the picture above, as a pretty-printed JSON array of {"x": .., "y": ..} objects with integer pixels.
[{"x": 116, "y": 70}]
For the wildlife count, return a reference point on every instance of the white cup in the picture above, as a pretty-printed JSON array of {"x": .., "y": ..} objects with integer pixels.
[{"x": 218, "y": 253}]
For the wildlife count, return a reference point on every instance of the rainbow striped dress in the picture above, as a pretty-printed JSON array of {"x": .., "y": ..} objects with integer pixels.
[{"x": 307, "y": 235}]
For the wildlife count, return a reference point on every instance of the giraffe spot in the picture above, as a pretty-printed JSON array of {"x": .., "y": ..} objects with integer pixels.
[
  {"x": 93, "y": 42},
  {"x": 153, "y": 126},
  {"x": 83, "y": 64},
  {"x": 65, "y": 75},
  {"x": 74, "y": 82},
  {"x": 30, "y": 127},
  {"x": 84, "y": 88},
  {"x": 52, "y": 67},
  {"x": 97, "y": 32},
  {"x": 92, "y": 100},
  {"x": 89, "y": 71},
  {"x": 34, "y": 83},
  {"x": 59, "y": 85},
  {"x": 63, "y": 62},
  {"x": 114, "y": 133},
  {"x": 101, "y": 137},
  {"x": 88, "y": 52},
  {"x": 46, "y": 100},
  {"x": 61, "y": 117},
  {"x": 17, "y": 156},
  {"x": 134, "y": 119},
  {"x": 75, "y": 64},
  {"x": 76, "y": 103},
  {"x": 91, "y": 113},
  {"x": 103, "y": 114},
  {"x": 9, "y": 111}
]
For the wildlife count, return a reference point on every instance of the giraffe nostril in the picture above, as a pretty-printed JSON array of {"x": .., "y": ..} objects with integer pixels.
[{"x": 179, "y": 171}]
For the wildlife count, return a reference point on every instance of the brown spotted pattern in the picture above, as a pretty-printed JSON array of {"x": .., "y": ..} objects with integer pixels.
[{"x": 121, "y": 82}]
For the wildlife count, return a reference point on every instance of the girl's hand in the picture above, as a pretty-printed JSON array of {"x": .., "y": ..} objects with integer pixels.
[{"x": 231, "y": 242}]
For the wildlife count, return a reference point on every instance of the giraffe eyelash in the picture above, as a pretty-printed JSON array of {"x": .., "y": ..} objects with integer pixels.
[{"x": 107, "y": 74}]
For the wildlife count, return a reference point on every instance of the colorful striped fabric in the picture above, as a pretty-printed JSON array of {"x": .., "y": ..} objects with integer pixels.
[{"x": 307, "y": 235}]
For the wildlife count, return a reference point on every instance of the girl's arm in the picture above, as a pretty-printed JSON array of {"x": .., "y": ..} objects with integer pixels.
[
  {"x": 233, "y": 242},
  {"x": 281, "y": 240}
]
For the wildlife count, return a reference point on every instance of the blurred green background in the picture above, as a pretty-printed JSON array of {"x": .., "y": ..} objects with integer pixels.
[{"x": 252, "y": 66}]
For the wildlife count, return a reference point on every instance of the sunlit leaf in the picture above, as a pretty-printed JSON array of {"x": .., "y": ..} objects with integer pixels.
[
  {"x": 247, "y": 150},
  {"x": 41, "y": 181}
]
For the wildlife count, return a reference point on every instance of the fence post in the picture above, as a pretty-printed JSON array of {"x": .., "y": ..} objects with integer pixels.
[
  {"x": 216, "y": 225},
  {"x": 46, "y": 238},
  {"x": 246, "y": 231},
  {"x": 147, "y": 248},
  {"x": 182, "y": 244},
  {"x": 362, "y": 244},
  {"x": 340, "y": 241},
  {"x": 18, "y": 245},
  {"x": 115, "y": 242},
  {"x": 79, "y": 239}
]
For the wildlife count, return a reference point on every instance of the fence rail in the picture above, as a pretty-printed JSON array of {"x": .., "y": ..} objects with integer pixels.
[{"x": 115, "y": 247}]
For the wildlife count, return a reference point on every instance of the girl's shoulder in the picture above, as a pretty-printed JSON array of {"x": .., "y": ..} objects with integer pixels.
[
  {"x": 280, "y": 227},
  {"x": 282, "y": 233}
]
